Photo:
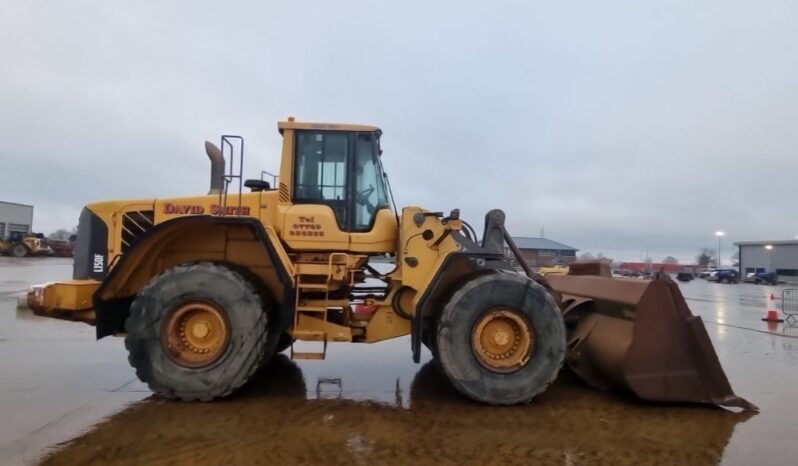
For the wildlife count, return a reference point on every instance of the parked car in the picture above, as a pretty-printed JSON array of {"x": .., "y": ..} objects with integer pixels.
[
  {"x": 707, "y": 272},
  {"x": 724, "y": 276},
  {"x": 684, "y": 277},
  {"x": 767, "y": 278}
]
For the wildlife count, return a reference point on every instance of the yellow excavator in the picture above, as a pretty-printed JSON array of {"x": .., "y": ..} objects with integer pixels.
[{"x": 206, "y": 289}]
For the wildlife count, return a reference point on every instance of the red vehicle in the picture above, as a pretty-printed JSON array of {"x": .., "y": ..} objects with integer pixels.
[{"x": 61, "y": 247}]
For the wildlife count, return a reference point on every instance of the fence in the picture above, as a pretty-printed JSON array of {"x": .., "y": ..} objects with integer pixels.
[{"x": 789, "y": 305}]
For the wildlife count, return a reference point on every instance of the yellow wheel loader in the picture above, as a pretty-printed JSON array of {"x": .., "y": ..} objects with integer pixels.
[
  {"x": 206, "y": 289},
  {"x": 19, "y": 245}
]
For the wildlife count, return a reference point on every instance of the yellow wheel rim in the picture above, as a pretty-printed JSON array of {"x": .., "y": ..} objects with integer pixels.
[
  {"x": 196, "y": 334},
  {"x": 503, "y": 340}
]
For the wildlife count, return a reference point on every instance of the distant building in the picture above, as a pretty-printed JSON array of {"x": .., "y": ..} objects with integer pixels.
[
  {"x": 770, "y": 256},
  {"x": 15, "y": 218},
  {"x": 656, "y": 267},
  {"x": 543, "y": 252}
]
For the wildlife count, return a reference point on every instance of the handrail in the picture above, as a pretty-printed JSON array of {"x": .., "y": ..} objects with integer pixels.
[{"x": 231, "y": 174}]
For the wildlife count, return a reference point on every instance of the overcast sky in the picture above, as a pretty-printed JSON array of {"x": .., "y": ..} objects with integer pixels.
[{"x": 615, "y": 126}]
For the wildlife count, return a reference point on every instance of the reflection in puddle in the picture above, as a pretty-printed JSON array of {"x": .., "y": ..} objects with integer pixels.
[
  {"x": 323, "y": 391},
  {"x": 273, "y": 421}
]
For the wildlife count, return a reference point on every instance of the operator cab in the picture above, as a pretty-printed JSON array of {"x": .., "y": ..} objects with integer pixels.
[
  {"x": 337, "y": 166},
  {"x": 341, "y": 169}
]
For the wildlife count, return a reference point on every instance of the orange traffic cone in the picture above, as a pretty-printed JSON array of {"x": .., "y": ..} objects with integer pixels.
[{"x": 772, "y": 314}]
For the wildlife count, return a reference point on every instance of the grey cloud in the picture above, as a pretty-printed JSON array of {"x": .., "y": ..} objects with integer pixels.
[{"x": 611, "y": 124}]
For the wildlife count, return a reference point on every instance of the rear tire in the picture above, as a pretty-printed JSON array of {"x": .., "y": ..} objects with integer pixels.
[
  {"x": 504, "y": 301},
  {"x": 19, "y": 250},
  {"x": 197, "y": 363}
]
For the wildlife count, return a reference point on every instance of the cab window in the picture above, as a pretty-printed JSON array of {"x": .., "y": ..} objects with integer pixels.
[
  {"x": 342, "y": 170},
  {"x": 321, "y": 170},
  {"x": 369, "y": 182}
]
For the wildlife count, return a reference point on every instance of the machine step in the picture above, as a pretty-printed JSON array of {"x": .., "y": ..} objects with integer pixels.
[
  {"x": 311, "y": 309},
  {"x": 307, "y": 356},
  {"x": 308, "y": 335},
  {"x": 312, "y": 286}
]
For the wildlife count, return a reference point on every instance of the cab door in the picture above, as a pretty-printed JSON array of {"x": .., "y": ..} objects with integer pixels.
[
  {"x": 374, "y": 227},
  {"x": 318, "y": 216}
]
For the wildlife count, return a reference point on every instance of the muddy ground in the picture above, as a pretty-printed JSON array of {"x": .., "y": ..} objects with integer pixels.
[{"x": 66, "y": 399}]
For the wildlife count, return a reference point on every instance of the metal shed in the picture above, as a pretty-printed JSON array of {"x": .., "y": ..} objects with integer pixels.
[
  {"x": 543, "y": 252},
  {"x": 780, "y": 256},
  {"x": 15, "y": 218}
]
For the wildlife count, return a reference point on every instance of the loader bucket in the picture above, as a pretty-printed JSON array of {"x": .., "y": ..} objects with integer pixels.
[{"x": 639, "y": 335}]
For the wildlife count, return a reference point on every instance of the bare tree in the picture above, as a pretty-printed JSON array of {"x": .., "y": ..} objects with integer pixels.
[
  {"x": 670, "y": 260},
  {"x": 60, "y": 234},
  {"x": 63, "y": 234},
  {"x": 706, "y": 257}
]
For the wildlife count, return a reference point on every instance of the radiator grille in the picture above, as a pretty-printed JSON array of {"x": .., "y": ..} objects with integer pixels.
[{"x": 135, "y": 224}]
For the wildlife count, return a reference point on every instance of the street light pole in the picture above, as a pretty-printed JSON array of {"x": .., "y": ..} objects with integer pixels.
[
  {"x": 769, "y": 249},
  {"x": 719, "y": 234}
]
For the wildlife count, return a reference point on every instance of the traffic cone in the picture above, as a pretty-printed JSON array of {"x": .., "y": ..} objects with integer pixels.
[{"x": 772, "y": 314}]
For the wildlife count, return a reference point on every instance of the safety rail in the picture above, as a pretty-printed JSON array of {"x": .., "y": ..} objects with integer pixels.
[
  {"x": 332, "y": 262},
  {"x": 274, "y": 178},
  {"x": 234, "y": 172},
  {"x": 789, "y": 304}
]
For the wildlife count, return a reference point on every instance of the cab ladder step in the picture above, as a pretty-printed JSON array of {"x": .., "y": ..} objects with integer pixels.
[
  {"x": 307, "y": 355},
  {"x": 311, "y": 309},
  {"x": 309, "y": 335},
  {"x": 312, "y": 286},
  {"x": 318, "y": 312}
]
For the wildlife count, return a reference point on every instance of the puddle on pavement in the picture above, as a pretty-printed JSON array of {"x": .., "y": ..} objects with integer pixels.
[
  {"x": 273, "y": 422},
  {"x": 372, "y": 405}
]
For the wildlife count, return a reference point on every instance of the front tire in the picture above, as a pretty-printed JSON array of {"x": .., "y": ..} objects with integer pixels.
[
  {"x": 19, "y": 250},
  {"x": 197, "y": 332},
  {"x": 429, "y": 340},
  {"x": 501, "y": 339}
]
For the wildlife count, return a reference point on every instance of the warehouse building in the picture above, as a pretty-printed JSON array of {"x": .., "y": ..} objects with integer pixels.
[
  {"x": 543, "y": 252},
  {"x": 770, "y": 256},
  {"x": 15, "y": 218}
]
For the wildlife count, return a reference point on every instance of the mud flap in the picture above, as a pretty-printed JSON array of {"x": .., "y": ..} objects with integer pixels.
[{"x": 640, "y": 335}]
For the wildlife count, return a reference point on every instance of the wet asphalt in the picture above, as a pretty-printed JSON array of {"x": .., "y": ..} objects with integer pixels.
[{"x": 66, "y": 399}]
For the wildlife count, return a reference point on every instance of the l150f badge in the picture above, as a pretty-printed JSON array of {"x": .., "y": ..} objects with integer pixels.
[
  {"x": 196, "y": 209},
  {"x": 98, "y": 265}
]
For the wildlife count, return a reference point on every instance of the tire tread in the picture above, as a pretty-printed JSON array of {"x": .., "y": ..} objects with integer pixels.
[{"x": 137, "y": 353}]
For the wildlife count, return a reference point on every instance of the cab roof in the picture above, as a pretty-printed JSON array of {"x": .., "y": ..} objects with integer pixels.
[{"x": 292, "y": 124}]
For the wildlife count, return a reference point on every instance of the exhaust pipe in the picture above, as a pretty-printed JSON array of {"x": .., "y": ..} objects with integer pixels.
[{"x": 217, "y": 167}]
